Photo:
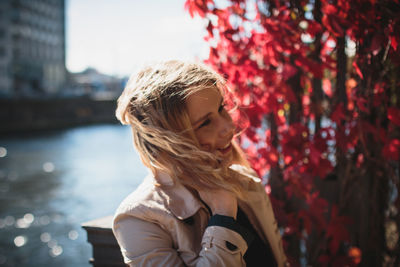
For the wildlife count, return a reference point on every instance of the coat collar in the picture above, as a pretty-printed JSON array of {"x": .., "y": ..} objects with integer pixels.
[
  {"x": 177, "y": 198},
  {"x": 182, "y": 202}
]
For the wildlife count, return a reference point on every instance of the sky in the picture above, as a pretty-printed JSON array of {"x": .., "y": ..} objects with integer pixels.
[{"x": 117, "y": 37}]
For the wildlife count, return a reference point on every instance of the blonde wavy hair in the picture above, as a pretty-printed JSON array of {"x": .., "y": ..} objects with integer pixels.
[{"x": 154, "y": 104}]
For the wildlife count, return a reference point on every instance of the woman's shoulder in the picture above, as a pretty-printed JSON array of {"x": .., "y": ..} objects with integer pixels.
[{"x": 144, "y": 200}]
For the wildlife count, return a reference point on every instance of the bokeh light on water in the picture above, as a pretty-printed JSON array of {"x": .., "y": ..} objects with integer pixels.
[
  {"x": 52, "y": 182},
  {"x": 3, "y": 152}
]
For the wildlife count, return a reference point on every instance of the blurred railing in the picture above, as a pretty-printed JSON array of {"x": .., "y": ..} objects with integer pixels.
[{"x": 106, "y": 251}]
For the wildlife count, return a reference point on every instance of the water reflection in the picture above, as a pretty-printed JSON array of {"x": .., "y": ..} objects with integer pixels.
[
  {"x": 3, "y": 152},
  {"x": 51, "y": 183}
]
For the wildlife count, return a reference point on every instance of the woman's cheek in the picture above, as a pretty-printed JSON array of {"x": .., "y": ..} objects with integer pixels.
[
  {"x": 206, "y": 148},
  {"x": 205, "y": 141}
]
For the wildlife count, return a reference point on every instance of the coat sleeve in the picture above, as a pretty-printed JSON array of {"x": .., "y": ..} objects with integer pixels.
[{"x": 145, "y": 244}]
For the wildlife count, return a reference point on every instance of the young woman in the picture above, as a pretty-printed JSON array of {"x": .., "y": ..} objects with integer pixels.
[{"x": 201, "y": 204}]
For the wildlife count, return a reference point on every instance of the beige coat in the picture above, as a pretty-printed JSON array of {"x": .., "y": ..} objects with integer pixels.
[{"x": 167, "y": 226}]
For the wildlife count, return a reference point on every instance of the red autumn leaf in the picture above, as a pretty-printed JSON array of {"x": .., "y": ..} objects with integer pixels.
[
  {"x": 236, "y": 8},
  {"x": 332, "y": 24},
  {"x": 317, "y": 211},
  {"x": 327, "y": 87},
  {"x": 210, "y": 29},
  {"x": 195, "y": 6},
  {"x": 358, "y": 70},
  {"x": 189, "y": 7},
  {"x": 391, "y": 150},
  {"x": 362, "y": 104},
  {"x": 369, "y": 128},
  {"x": 228, "y": 34},
  {"x": 315, "y": 155},
  {"x": 338, "y": 114},
  {"x": 336, "y": 230},
  {"x": 394, "y": 115},
  {"x": 313, "y": 27},
  {"x": 323, "y": 168},
  {"x": 310, "y": 66},
  {"x": 288, "y": 71},
  {"x": 271, "y": 56},
  {"x": 330, "y": 9},
  {"x": 394, "y": 42}
]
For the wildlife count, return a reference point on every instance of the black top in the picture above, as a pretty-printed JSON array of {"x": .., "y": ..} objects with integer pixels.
[{"x": 258, "y": 253}]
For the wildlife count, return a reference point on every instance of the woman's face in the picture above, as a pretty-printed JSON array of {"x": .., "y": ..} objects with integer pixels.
[{"x": 211, "y": 123}]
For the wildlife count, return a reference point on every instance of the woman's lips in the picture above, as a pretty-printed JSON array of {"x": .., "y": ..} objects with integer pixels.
[{"x": 226, "y": 149}]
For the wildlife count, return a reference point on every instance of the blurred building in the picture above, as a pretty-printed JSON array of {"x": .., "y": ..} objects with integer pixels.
[
  {"x": 32, "y": 47},
  {"x": 95, "y": 84}
]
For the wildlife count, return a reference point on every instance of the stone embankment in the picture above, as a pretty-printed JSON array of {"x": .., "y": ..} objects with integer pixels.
[{"x": 28, "y": 115}]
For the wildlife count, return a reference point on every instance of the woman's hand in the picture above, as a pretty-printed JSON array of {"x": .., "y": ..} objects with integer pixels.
[{"x": 220, "y": 201}]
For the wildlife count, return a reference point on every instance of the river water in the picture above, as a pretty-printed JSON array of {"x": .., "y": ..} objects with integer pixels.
[{"x": 52, "y": 182}]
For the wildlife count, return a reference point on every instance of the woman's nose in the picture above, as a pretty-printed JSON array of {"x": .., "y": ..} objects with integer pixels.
[{"x": 227, "y": 127}]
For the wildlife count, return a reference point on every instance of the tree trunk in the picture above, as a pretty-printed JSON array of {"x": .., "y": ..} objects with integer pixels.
[{"x": 316, "y": 82}]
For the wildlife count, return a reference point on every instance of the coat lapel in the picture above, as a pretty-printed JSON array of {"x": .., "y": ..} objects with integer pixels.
[
  {"x": 259, "y": 211},
  {"x": 177, "y": 198},
  {"x": 257, "y": 206}
]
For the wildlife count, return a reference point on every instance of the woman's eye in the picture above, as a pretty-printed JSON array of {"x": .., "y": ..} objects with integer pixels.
[{"x": 205, "y": 123}]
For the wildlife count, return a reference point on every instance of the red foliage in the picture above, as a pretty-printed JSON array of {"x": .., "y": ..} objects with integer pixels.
[
  {"x": 391, "y": 149},
  {"x": 394, "y": 115},
  {"x": 305, "y": 109}
]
